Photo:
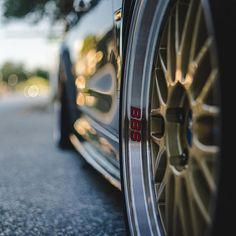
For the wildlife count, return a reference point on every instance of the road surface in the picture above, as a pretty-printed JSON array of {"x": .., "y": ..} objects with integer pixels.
[{"x": 45, "y": 191}]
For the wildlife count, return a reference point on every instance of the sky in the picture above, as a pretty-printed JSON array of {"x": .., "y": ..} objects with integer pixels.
[{"x": 26, "y": 43}]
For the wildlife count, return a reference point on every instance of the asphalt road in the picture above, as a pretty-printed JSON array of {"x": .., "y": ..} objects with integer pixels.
[{"x": 45, "y": 191}]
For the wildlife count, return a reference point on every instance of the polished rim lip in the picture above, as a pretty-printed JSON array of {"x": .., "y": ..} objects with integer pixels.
[{"x": 136, "y": 195}]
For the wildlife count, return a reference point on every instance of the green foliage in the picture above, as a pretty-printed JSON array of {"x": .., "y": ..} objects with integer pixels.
[
  {"x": 40, "y": 73},
  {"x": 56, "y": 9},
  {"x": 11, "y": 71},
  {"x": 12, "y": 8}
]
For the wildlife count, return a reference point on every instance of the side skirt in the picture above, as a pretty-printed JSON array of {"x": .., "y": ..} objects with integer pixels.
[{"x": 97, "y": 161}]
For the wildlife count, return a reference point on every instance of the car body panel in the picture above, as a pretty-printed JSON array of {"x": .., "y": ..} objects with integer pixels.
[{"x": 91, "y": 57}]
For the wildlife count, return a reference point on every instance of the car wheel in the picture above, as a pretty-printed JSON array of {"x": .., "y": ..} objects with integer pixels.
[{"x": 170, "y": 119}]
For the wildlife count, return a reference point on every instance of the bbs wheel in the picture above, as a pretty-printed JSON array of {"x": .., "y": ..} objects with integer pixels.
[{"x": 170, "y": 119}]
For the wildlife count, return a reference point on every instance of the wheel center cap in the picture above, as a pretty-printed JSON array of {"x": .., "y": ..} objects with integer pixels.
[{"x": 179, "y": 127}]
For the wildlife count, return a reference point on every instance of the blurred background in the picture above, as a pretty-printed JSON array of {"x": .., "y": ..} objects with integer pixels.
[
  {"x": 30, "y": 37},
  {"x": 43, "y": 190}
]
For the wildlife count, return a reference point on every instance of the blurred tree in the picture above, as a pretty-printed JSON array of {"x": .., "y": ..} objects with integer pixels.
[
  {"x": 54, "y": 9},
  {"x": 40, "y": 73},
  {"x": 9, "y": 70}
]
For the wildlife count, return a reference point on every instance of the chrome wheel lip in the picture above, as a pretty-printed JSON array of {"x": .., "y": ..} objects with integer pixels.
[
  {"x": 142, "y": 220},
  {"x": 137, "y": 95}
]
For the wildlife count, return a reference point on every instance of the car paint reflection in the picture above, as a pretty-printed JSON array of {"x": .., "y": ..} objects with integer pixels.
[
  {"x": 89, "y": 133},
  {"x": 96, "y": 95},
  {"x": 95, "y": 65}
]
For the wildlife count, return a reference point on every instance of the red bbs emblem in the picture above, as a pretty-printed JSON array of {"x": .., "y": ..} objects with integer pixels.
[{"x": 135, "y": 124}]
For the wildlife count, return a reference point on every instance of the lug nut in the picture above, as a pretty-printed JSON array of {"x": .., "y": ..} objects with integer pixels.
[
  {"x": 184, "y": 158},
  {"x": 179, "y": 160}
]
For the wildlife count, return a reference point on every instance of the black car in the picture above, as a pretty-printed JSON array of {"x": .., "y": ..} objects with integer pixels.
[{"x": 140, "y": 87}]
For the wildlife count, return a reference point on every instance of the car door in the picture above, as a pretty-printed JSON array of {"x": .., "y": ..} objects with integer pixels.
[{"x": 96, "y": 66}]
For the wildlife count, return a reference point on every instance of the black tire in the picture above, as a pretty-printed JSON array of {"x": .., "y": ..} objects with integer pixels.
[
  {"x": 65, "y": 125},
  {"x": 223, "y": 13}
]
